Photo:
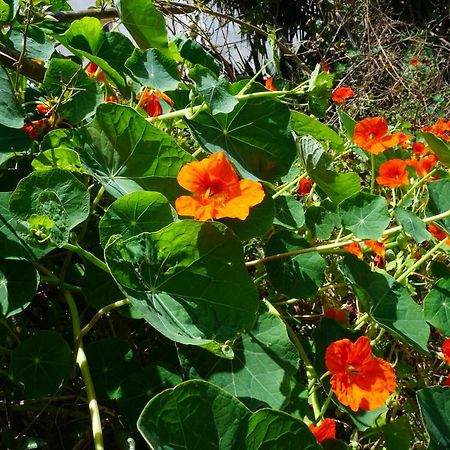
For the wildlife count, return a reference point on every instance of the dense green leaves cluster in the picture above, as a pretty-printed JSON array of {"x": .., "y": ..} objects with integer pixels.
[{"x": 216, "y": 335}]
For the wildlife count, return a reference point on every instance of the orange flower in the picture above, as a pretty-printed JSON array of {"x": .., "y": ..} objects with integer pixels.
[
  {"x": 93, "y": 71},
  {"x": 149, "y": 100},
  {"x": 446, "y": 350},
  {"x": 371, "y": 135},
  {"x": 438, "y": 233},
  {"x": 419, "y": 148},
  {"x": 36, "y": 128},
  {"x": 393, "y": 173},
  {"x": 359, "y": 380},
  {"x": 42, "y": 108},
  {"x": 326, "y": 430},
  {"x": 337, "y": 314},
  {"x": 30, "y": 130},
  {"x": 354, "y": 249},
  {"x": 377, "y": 247},
  {"x": 414, "y": 62},
  {"x": 441, "y": 128},
  {"x": 269, "y": 84},
  {"x": 341, "y": 94},
  {"x": 423, "y": 165},
  {"x": 304, "y": 186},
  {"x": 403, "y": 139},
  {"x": 218, "y": 192},
  {"x": 110, "y": 99}
]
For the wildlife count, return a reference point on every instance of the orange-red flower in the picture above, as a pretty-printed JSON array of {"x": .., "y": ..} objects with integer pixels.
[
  {"x": 446, "y": 350},
  {"x": 377, "y": 247},
  {"x": 150, "y": 101},
  {"x": 337, "y": 314},
  {"x": 414, "y": 62},
  {"x": 36, "y": 128},
  {"x": 269, "y": 84},
  {"x": 42, "y": 108},
  {"x": 441, "y": 128},
  {"x": 393, "y": 173},
  {"x": 419, "y": 148},
  {"x": 325, "y": 66},
  {"x": 423, "y": 165},
  {"x": 341, "y": 94},
  {"x": 93, "y": 71},
  {"x": 304, "y": 186},
  {"x": 359, "y": 380},
  {"x": 371, "y": 134},
  {"x": 404, "y": 140},
  {"x": 447, "y": 381},
  {"x": 111, "y": 99},
  {"x": 218, "y": 192},
  {"x": 326, "y": 430},
  {"x": 354, "y": 249},
  {"x": 438, "y": 233}
]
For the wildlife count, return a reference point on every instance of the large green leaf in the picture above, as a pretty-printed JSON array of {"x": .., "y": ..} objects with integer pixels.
[
  {"x": 38, "y": 45},
  {"x": 366, "y": 215},
  {"x": 135, "y": 213},
  {"x": 153, "y": 69},
  {"x": 213, "y": 90},
  {"x": 194, "y": 415},
  {"x": 265, "y": 360},
  {"x": 275, "y": 430},
  {"x": 297, "y": 276},
  {"x": 50, "y": 204},
  {"x": 145, "y": 23},
  {"x": 412, "y": 225},
  {"x": 126, "y": 153},
  {"x": 193, "y": 52},
  {"x": 18, "y": 283},
  {"x": 110, "y": 362},
  {"x": 439, "y": 146},
  {"x": 13, "y": 140},
  {"x": 8, "y": 10},
  {"x": 318, "y": 164},
  {"x": 437, "y": 306},
  {"x": 306, "y": 125},
  {"x": 289, "y": 212},
  {"x": 188, "y": 280},
  {"x": 64, "y": 74},
  {"x": 11, "y": 112},
  {"x": 109, "y": 50},
  {"x": 256, "y": 136},
  {"x": 13, "y": 244},
  {"x": 59, "y": 158},
  {"x": 439, "y": 200},
  {"x": 434, "y": 405},
  {"x": 322, "y": 220},
  {"x": 319, "y": 92},
  {"x": 389, "y": 302},
  {"x": 41, "y": 363}
]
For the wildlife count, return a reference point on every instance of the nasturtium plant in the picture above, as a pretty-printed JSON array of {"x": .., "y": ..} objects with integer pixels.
[{"x": 196, "y": 257}]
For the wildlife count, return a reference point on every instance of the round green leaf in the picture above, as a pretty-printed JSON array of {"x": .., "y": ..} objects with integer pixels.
[
  {"x": 439, "y": 200},
  {"x": 59, "y": 158},
  {"x": 256, "y": 136},
  {"x": 434, "y": 405},
  {"x": 289, "y": 212},
  {"x": 194, "y": 415},
  {"x": 138, "y": 388},
  {"x": 11, "y": 112},
  {"x": 127, "y": 154},
  {"x": 269, "y": 429},
  {"x": 437, "y": 306},
  {"x": 188, "y": 280},
  {"x": 52, "y": 202},
  {"x": 297, "y": 276},
  {"x": 152, "y": 69},
  {"x": 18, "y": 283},
  {"x": 110, "y": 362},
  {"x": 412, "y": 225},
  {"x": 135, "y": 213},
  {"x": 265, "y": 360},
  {"x": 364, "y": 214},
  {"x": 41, "y": 363}
]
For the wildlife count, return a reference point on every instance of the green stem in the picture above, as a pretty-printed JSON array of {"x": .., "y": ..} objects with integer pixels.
[
  {"x": 372, "y": 169},
  {"x": 98, "y": 197},
  {"x": 193, "y": 111},
  {"x": 361, "y": 321},
  {"x": 55, "y": 282},
  {"x": 418, "y": 263},
  {"x": 311, "y": 373},
  {"x": 330, "y": 247},
  {"x": 82, "y": 362},
  {"x": 287, "y": 186},
  {"x": 325, "y": 406},
  {"x": 416, "y": 185},
  {"x": 80, "y": 251}
]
